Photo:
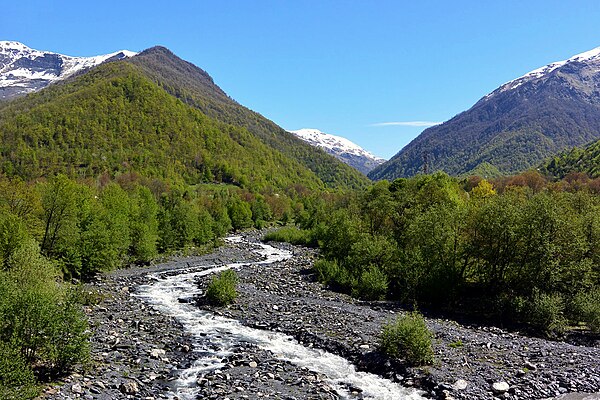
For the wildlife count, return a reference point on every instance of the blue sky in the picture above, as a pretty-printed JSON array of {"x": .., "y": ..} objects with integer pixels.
[{"x": 338, "y": 66}]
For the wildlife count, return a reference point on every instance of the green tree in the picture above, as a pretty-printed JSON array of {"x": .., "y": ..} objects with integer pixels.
[
  {"x": 143, "y": 224},
  {"x": 239, "y": 212},
  {"x": 60, "y": 214}
]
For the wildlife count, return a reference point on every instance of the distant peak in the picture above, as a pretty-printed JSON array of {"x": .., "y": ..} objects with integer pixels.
[
  {"x": 12, "y": 44},
  {"x": 329, "y": 141},
  {"x": 24, "y": 70},
  {"x": 341, "y": 148},
  {"x": 590, "y": 55},
  {"x": 158, "y": 49}
]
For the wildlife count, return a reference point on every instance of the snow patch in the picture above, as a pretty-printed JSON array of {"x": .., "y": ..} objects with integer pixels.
[
  {"x": 335, "y": 143},
  {"x": 29, "y": 69},
  {"x": 590, "y": 55}
]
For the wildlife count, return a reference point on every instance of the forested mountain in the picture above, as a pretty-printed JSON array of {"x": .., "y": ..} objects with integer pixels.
[
  {"x": 513, "y": 128},
  {"x": 195, "y": 87},
  {"x": 585, "y": 160},
  {"x": 162, "y": 117},
  {"x": 114, "y": 120}
]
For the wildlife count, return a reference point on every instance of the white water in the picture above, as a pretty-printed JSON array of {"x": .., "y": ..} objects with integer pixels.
[{"x": 216, "y": 336}]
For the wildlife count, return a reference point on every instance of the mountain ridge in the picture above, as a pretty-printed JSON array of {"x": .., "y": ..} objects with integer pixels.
[
  {"x": 24, "y": 70},
  {"x": 188, "y": 84},
  {"x": 195, "y": 87},
  {"x": 514, "y": 127}
]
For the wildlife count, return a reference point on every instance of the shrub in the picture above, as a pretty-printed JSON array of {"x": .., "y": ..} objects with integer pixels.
[
  {"x": 545, "y": 312},
  {"x": 68, "y": 343},
  {"x": 16, "y": 378},
  {"x": 408, "y": 337},
  {"x": 39, "y": 317},
  {"x": 586, "y": 308},
  {"x": 291, "y": 234},
  {"x": 222, "y": 288},
  {"x": 335, "y": 275},
  {"x": 373, "y": 284}
]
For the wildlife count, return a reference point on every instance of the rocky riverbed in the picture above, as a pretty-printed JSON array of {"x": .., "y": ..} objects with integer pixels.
[{"x": 137, "y": 352}]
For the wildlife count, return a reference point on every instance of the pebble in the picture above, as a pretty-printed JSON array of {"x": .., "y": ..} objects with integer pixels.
[
  {"x": 460, "y": 384},
  {"x": 500, "y": 387}
]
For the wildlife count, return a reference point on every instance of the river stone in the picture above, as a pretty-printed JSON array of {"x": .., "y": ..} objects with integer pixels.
[
  {"x": 253, "y": 364},
  {"x": 529, "y": 365},
  {"x": 460, "y": 384},
  {"x": 129, "y": 387},
  {"x": 76, "y": 388},
  {"x": 157, "y": 353},
  {"x": 500, "y": 387}
]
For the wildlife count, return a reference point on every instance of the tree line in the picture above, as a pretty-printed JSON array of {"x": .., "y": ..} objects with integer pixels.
[
  {"x": 56, "y": 232},
  {"x": 519, "y": 250}
]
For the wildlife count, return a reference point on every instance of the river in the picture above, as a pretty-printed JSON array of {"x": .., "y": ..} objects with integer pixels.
[{"x": 216, "y": 337}]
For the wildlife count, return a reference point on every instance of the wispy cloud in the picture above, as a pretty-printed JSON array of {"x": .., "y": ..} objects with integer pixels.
[{"x": 407, "y": 123}]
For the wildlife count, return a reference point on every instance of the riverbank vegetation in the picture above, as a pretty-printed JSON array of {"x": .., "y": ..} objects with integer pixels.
[
  {"x": 518, "y": 250},
  {"x": 58, "y": 232},
  {"x": 222, "y": 289},
  {"x": 408, "y": 337}
]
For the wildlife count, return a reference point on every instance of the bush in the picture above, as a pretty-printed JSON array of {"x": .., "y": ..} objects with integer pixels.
[
  {"x": 68, "y": 343},
  {"x": 222, "y": 288},
  {"x": 335, "y": 275},
  {"x": 16, "y": 378},
  {"x": 373, "y": 284},
  {"x": 586, "y": 308},
  {"x": 291, "y": 234},
  {"x": 408, "y": 337},
  {"x": 545, "y": 312},
  {"x": 40, "y": 318}
]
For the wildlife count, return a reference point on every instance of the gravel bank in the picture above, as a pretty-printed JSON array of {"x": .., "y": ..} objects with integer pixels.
[{"x": 137, "y": 352}]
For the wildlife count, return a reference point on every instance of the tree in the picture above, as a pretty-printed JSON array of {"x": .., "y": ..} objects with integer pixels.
[{"x": 59, "y": 203}]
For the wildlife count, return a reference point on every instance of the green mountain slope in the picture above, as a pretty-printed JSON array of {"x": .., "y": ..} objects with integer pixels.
[
  {"x": 115, "y": 119},
  {"x": 586, "y": 160},
  {"x": 513, "y": 128},
  {"x": 195, "y": 87}
]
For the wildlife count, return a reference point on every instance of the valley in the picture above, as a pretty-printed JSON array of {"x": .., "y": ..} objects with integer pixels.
[
  {"x": 146, "y": 345},
  {"x": 467, "y": 268}
]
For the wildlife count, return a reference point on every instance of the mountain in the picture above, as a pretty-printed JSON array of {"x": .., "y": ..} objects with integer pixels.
[
  {"x": 586, "y": 160},
  {"x": 514, "y": 127},
  {"x": 24, "y": 70},
  {"x": 195, "y": 87},
  {"x": 159, "y": 116},
  {"x": 115, "y": 120},
  {"x": 341, "y": 148}
]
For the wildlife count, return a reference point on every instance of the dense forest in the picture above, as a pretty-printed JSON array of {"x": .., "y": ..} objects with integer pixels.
[
  {"x": 113, "y": 120},
  {"x": 520, "y": 250},
  {"x": 577, "y": 160},
  {"x": 58, "y": 232}
]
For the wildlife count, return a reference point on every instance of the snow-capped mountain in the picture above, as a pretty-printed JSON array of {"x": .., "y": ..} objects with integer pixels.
[
  {"x": 24, "y": 70},
  {"x": 585, "y": 57},
  {"x": 514, "y": 127},
  {"x": 342, "y": 148}
]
